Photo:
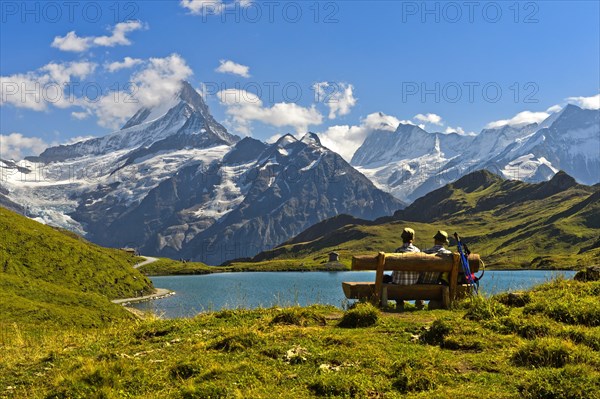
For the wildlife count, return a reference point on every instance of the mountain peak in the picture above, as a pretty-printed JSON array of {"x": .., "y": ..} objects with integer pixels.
[
  {"x": 479, "y": 179},
  {"x": 186, "y": 94},
  {"x": 286, "y": 140},
  {"x": 561, "y": 181},
  {"x": 407, "y": 128},
  {"x": 571, "y": 108},
  {"x": 311, "y": 138}
]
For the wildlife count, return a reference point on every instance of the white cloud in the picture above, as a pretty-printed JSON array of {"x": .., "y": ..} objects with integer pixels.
[
  {"x": 592, "y": 102},
  {"x": 203, "y": 7},
  {"x": 429, "y": 118},
  {"x": 457, "y": 129},
  {"x": 127, "y": 62},
  {"x": 228, "y": 66},
  {"x": 71, "y": 42},
  {"x": 156, "y": 83},
  {"x": 74, "y": 43},
  {"x": 244, "y": 107},
  {"x": 211, "y": 7},
  {"x": 345, "y": 139},
  {"x": 553, "y": 109},
  {"x": 520, "y": 119},
  {"x": 80, "y": 115},
  {"x": 118, "y": 34},
  {"x": 15, "y": 146},
  {"x": 338, "y": 97},
  {"x": 46, "y": 86}
]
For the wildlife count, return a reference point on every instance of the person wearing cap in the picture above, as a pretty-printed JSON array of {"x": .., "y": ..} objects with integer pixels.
[
  {"x": 405, "y": 277},
  {"x": 401, "y": 277},
  {"x": 440, "y": 240}
]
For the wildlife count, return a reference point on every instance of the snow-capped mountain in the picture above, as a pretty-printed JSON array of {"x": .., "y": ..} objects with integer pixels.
[
  {"x": 571, "y": 142},
  {"x": 411, "y": 162},
  {"x": 174, "y": 182},
  {"x": 256, "y": 197},
  {"x": 185, "y": 114}
]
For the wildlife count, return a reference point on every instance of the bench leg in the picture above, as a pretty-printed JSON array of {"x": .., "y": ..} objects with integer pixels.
[
  {"x": 384, "y": 297},
  {"x": 445, "y": 297}
]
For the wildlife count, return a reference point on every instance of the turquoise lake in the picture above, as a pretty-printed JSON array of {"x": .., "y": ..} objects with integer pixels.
[{"x": 195, "y": 294}]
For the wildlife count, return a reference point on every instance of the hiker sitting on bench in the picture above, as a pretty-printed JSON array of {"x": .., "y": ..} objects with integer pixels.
[
  {"x": 440, "y": 239},
  {"x": 401, "y": 277},
  {"x": 407, "y": 277}
]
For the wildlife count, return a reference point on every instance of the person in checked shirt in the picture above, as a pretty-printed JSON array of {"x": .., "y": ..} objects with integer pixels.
[
  {"x": 440, "y": 240},
  {"x": 401, "y": 277},
  {"x": 405, "y": 277}
]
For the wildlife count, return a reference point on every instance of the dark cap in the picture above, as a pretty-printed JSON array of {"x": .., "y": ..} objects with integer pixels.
[
  {"x": 441, "y": 236},
  {"x": 408, "y": 234}
]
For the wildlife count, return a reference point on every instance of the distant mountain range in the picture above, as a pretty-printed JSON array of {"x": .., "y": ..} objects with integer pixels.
[
  {"x": 174, "y": 182},
  {"x": 554, "y": 224},
  {"x": 411, "y": 162}
]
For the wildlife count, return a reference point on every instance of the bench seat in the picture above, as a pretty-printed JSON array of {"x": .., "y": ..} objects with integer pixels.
[
  {"x": 379, "y": 292},
  {"x": 366, "y": 290}
]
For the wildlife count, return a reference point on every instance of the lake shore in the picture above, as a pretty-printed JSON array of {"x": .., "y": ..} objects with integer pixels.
[
  {"x": 191, "y": 270},
  {"x": 503, "y": 348},
  {"x": 158, "y": 294}
]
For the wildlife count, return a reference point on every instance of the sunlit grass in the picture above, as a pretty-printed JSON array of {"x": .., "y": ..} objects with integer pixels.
[{"x": 485, "y": 348}]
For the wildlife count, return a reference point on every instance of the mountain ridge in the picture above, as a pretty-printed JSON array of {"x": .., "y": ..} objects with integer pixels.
[
  {"x": 554, "y": 224},
  {"x": 410, "y": 162}
]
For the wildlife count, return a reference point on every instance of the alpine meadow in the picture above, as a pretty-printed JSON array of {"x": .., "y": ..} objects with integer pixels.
[{"x": 288, "y": 199}]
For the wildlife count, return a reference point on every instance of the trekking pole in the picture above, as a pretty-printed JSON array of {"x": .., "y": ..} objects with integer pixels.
[{"x": 464, "y": 260}]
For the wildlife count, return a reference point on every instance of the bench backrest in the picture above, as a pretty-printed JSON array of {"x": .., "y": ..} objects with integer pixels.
[
  {"x": 410, "y": 261},
  {"x": 418, "y": 262}
]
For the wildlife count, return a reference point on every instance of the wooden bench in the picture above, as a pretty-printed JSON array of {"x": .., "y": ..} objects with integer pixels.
[{"x": 378, "y": 292}]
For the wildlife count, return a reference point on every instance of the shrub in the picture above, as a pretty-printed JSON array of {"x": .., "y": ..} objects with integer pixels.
[
  {"x": 363, "y": 315},
  {"x": 184, "y": 371},
  {"x": 481, "y": 308},
  {"x": 544, "y": 352},
  {"x": 572, "y": 382},
  {"x": 416, "y": 382},
  {"x": 154, "y": 330},
  {"x": 528, "y": 329},
  {"x": 241, "y": 341},
  {"x": 436, "y": 333},
  {"x": 513, "y": 299},
  {"x": 298, "y": 317},
  {"x": 584, "y": 311},
  {"x": 413, "y": 375},
  {"x": 580, "y": 336},
  {"x": 208, "y": 390},
  {"x": 329, "y": 385}
]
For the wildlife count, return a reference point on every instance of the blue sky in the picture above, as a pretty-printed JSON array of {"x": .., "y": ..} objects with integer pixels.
[{"x": 450, "y": 66}]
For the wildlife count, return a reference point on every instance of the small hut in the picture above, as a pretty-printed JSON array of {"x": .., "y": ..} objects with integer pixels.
[
  {"x": 131, "y": 251},
  {"x": 334, "y": 257}
]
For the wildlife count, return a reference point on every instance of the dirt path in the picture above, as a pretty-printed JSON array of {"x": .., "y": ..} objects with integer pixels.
[
  {"x": 149, "y": 259},
  {"x": 159, "y": 293}
]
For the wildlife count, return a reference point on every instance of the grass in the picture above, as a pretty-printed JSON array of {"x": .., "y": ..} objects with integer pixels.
[
  {"x": 55, "y": 277},
  {"x": 305, "y": 352}
]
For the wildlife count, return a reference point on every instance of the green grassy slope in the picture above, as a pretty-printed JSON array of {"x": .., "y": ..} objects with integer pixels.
[
  {"x": 510, "y": 223},
  {"x": 546, "y": 345},
  {"x": 55, "y": 276}
]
